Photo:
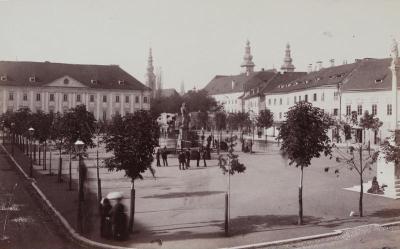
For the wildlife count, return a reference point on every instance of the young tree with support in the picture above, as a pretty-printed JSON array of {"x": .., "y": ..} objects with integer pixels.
[
  {"x": 369, "y": 122},
  {"x": 132, "y": 139},
  {"x": 220, "y": 124},
  {"x": 265, "y": 120},
  {"x": 304, "y": 137}
]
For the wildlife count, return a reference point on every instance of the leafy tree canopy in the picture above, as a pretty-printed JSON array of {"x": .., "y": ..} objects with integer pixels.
[
  {"x": 265, "y": 119},
  {"x": 304, "y": 134},
  {"x": 199, "y": 101},
  {"x": 132, "y": 140}
]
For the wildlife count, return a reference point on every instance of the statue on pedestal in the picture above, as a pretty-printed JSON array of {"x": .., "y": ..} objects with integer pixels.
[
  {"x": 184, "y": 128},
  {"x": 185, "y": 116}
]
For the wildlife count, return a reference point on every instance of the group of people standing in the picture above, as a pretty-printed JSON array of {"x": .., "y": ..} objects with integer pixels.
[
  {"x": 184, "y": 157},
  {"x": 164, "y": 155},
  {"x": 113, "y": 222}
]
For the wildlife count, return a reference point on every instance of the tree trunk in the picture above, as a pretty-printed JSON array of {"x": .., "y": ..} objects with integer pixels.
[
  {"x": 70, "y": 172},
  {"x": 360, "y": 203},
  {"x": 132, "y": 213},
  {"x": 44, "y": 155},
  {"x": 50, "y": 173},
  {"x": 59, "y": 167},
  {"x": 300, "y": 221}
]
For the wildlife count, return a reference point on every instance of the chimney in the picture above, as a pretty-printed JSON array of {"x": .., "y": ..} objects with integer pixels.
[
  {"x": 319, "y": 65},
  {"x": 332, "y": 61},
  {"x": 309, "y": 69}
]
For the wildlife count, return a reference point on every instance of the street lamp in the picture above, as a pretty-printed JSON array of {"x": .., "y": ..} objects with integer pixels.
[
  {"x": 30, "y": 132},
  {"x": 2, "y": 131},
  {"x": 98, "y": 171},
  {"x": 12, "y": 138},
  {"x": 79, "y": 144}
]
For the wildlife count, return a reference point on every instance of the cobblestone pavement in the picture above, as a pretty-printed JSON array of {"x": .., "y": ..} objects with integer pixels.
[{"x": 27, "y": 226}]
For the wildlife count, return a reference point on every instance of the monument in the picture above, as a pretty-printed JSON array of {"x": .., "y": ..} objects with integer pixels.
[
  {"x": 184, "y": 129},
  {"x": 387, "y": 172}
]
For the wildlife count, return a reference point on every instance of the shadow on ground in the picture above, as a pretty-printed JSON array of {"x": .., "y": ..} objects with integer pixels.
[
  {"x": 387, "y": 213},
  {"x": 184, "y": 194}
]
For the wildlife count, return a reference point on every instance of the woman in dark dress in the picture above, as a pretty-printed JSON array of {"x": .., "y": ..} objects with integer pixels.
[
  {"x": 105, "y": 221},
  {"x": 119, "y": 221}
]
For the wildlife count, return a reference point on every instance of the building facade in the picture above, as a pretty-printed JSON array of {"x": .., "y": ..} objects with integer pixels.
[{"x": 57, "y": 87}]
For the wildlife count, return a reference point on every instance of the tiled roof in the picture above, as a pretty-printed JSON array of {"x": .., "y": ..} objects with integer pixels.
[
  {"x": 372, "y": 74},
  {"x": 221, "y": 84},
  {"x": 323, "y": 77},
  {"x": 18, "y": 73},
  {"x": 282, "y": 78}
]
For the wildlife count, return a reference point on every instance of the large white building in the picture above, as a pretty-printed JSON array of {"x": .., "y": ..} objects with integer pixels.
[{"x": 56, "y": 87}]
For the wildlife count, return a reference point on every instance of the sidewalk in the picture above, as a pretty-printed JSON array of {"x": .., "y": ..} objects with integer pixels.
[{"x": 185, "y": 209}]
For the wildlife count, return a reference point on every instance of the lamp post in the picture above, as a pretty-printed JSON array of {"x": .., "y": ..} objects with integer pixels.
[
  {"x": 2, "y": 131},
  {"x": 79, "y": 149},
  {"x": 12, "y": 138},
  {"x": 98, "y": 171},
  {"x": 30, "y": 132}
]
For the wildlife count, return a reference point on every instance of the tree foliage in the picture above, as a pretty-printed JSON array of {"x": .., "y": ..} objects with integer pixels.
[
  {"x": 220, "y": 120},
  {"x": 169, "y": 104},
  {"x": 132, "y": 140},
  {"x": 199, "y": 101},
  {"x": 265, "y": 119},
  {"x": 304, "y": 134}
]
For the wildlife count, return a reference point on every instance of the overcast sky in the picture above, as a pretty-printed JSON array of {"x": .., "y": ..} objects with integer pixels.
[{"x": 195, "y": 40}]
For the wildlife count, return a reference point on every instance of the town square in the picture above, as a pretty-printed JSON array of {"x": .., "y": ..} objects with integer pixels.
[{"x": 199, "y": 142}]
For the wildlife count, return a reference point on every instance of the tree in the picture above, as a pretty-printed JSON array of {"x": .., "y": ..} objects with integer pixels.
[
  {"x": 169, "y": 104},
  {"x": 42, "y": 122},
  {"x": 304, "y": 137},
  {"x": 132, "y": 140},
  {"x": 265, "y": 119},
  {"x": 57, "y": 135},
  {"x": 391, "y": 149},
  {"x": 199, "y": 101},
  {"x": 355, "y": 160},
  {"x": 239, "y": 120},
  {"x": 369, "y": 122}
]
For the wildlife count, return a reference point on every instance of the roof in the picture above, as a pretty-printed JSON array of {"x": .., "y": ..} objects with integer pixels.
[
  {"x": 323, "y": 77},
  {"x": 166, "y": 93},
  {"x": 282, "y": 78},
  {"x": 105, "y": 76},
  {"x": 372, "y": 74},
  {"x": 221, "y": 84}
]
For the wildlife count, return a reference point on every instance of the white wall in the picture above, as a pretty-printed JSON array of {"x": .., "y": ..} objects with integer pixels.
[{"x": 230, "y": 101}]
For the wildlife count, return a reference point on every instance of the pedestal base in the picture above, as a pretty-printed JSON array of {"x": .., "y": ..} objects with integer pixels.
[{"x": 386, "y": 175}]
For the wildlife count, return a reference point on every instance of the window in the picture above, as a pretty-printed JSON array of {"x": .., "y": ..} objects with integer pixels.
[
  {"x": 274, "y": 101},
  {"x": 315, "y": 97},
  {"x": 348, "y": 110},
  {"x": 38, "y": 97},
  {"x": 25, "y": 97},
  {"x": 335, "y": 112},
  {"x": 137, "y": 99},
  {"x": 374, "y": 109},
  {"x": 144, "y": 99},
  {"x": 65, "y": 98},
  {"x": 66, "y": 81},
  {"x": 280, "y": 115},
  {"x": 104, "y": 115},
  {"x": 299, "y": 98},
  {"x": 126, "y": 99},
  {"x": 104, "y": 99},
  {"x": 116, "y": 113},
  {"x": 117, "y": 99},
  {"x": 322, "y": 97},
  {"x": 91, "y": 98},
  {"x": 295, "y": 99},
  {"x": 269, "y": 101},
  {"x": 280, "y": 101},
  {"x": 11, "y": 96},
  {"x": 78, "y": 98},
  {"x": 359, "y": 110},
  {"x": 335, "y": 95},
  {"x": 306, "y": 98},
  {"x": 389, "y": 109},
  {"x": 51, "y": 97},
  {"x": 287, "y": 101}
]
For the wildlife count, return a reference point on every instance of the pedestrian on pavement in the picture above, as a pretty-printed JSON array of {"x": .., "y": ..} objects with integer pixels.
[
  {"x": 119, "y": 221},
  {"x": 181, "y": 160},
  {"x": 158, "y": 157},
  {"x": 198, "y": 156},
  {"x": 164, "y": 155},
  {"x": 105, "y": 219},
  {"x": 203, "y": 155},
  {"x": 187, "y": 154}
]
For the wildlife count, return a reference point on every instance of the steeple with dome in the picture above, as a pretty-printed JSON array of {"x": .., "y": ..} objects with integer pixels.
[
  {"x": 287, "y": 62},
  {"x": 247, "y": 64}
]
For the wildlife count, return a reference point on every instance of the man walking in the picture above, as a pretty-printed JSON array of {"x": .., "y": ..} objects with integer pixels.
[
  {"x": 181, "y": 160},
  {"x": 187, "y": 154},
  {"x": 158, "y": 157}
]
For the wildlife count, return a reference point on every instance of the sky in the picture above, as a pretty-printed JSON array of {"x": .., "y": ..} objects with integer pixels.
[{"x": 192, "y": 41}]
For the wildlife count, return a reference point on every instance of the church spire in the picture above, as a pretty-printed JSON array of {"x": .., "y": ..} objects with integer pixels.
[
  {"x": 247, "y": 64},
  {"x": 182, "y": 88},
  {"x": 287, "y": 61},
  {"x": 150, "y": 76}
]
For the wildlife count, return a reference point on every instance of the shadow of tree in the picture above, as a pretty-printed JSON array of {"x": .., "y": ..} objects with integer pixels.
[
  {"x": 386, "y": 213},
  {"x": 184, "y": 194}
]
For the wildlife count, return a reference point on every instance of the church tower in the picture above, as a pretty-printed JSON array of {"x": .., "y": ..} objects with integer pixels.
[
  {"x": 182, "y": 92},
  {"x": 159, "y": 84},
  {"x": 150, "y": 76},
  {"x": 287, "y": 61},
  {"x": 247, "y": 64}
]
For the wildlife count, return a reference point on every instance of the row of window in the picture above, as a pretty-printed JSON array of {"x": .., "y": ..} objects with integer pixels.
[
  {"x": 295, "y": 99},
  {"x": 374, "y": 109},
  {"x": 78, "y": 98}
]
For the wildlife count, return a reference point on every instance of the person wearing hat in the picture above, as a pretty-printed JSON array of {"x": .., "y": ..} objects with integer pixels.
[
  {"x": 119, "y": 220},
  {"x": 105, "y": 219}
]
